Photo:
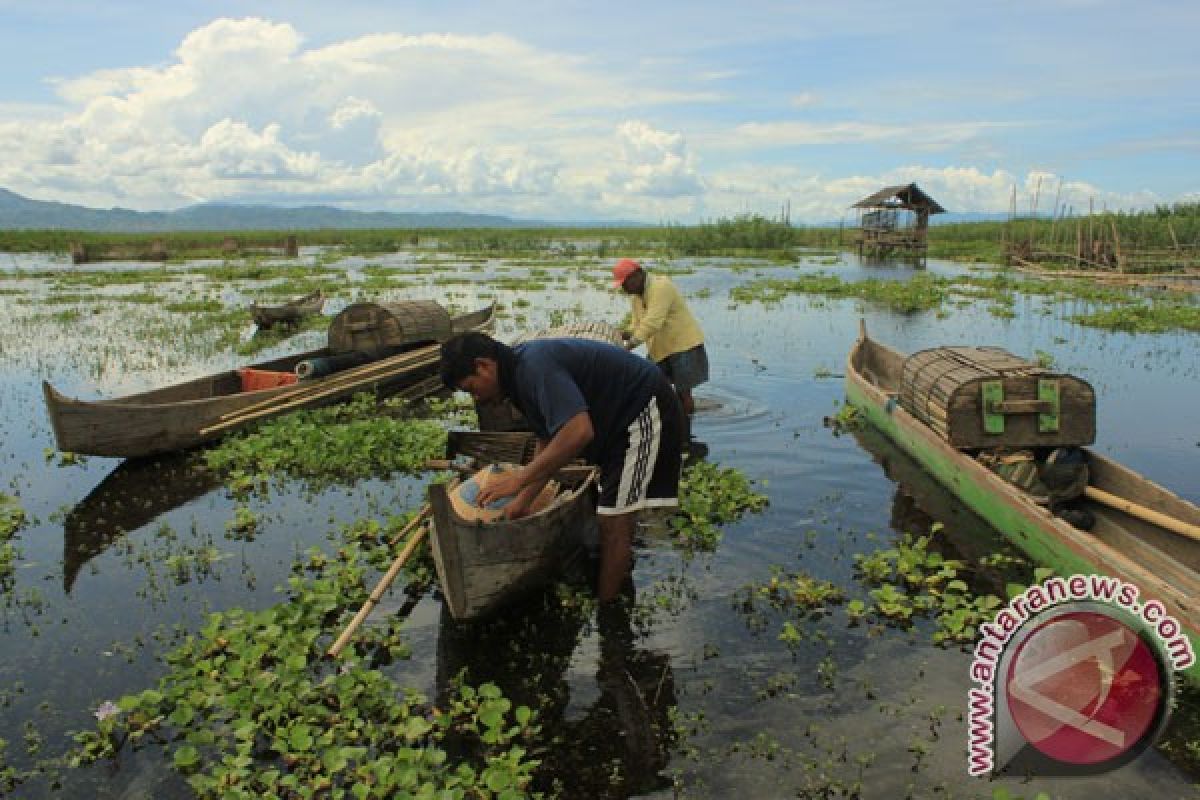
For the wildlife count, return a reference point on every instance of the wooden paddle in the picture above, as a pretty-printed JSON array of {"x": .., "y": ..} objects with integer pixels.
[
  {"x": 377, "y": 594},
  {"x": 1141, "y": 512}
]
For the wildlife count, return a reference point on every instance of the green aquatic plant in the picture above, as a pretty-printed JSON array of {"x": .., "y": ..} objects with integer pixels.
[
  {"x": 1158, "y": 317},
  {"x": 711, "y": 496},
  {"x": 249, "y": 706},
  {"x": 913, "y": 580},
  {"x": 206, "y": 306},
  {"x": 338, "y": 444},
  {"x": 848, "y": 418},
  {"x": 919, "y": 293},
  {"x": 12, "y": 519}
]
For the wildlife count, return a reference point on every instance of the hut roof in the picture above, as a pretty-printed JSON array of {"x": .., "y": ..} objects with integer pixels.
[{"x": 907, "y": 196}]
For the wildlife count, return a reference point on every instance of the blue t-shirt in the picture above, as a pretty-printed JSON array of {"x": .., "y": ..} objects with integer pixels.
[{"x": 555, "y": 379}]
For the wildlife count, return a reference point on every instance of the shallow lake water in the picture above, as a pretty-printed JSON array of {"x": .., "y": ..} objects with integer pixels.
[{"x": 707, "y": 701}]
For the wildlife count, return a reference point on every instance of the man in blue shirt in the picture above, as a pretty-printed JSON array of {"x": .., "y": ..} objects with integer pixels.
[{"x": 582, "y": 398}]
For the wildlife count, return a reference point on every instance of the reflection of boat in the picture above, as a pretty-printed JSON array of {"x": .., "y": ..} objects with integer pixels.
[
  {"x": 132, "y": 495},
  {"x": 187, "y": 414},
  {"x": 920, "y": 501},
  {"x": 482, "y": 565},
  {"x": 290, "y": 312},
  {"x": 1162, "y": 564}
]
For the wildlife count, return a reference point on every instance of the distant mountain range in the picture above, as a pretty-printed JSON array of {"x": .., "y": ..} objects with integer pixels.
[{"x": 17, "y": 212}]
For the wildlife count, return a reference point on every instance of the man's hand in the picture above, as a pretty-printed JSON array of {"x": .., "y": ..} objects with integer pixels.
[
  {"x": 499, "y": 486},
  {"x": 518, "y": 508}
]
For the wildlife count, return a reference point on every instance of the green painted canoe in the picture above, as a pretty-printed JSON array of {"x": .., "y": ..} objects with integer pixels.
[{"x": 1164, "y": 565}]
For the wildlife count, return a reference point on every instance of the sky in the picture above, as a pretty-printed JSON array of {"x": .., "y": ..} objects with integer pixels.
[{"x": 647, "y": 111}]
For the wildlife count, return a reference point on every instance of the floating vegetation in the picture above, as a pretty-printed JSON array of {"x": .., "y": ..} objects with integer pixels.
[
  {"x": 1152, "y": 318},
  {"x": 338, "y": 444},
  {"x": 912, "y": 580},
  {"x": 208, "y": 306},
  {"x": 12, "y": 519},
  {"x": 711, "y": 496},
  {"x": 250, "y": 707},
  {"x": 919, "y": 293},
  {"x": 848, "y": 418},
  {"x": 795, "y": 594}
]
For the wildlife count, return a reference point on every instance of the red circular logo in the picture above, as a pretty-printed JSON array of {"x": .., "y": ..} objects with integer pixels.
[{"x": 1084, "y": 688}]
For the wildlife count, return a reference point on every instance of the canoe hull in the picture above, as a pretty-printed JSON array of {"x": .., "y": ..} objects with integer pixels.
[
  {"x": 1160, "y": 564},
  {"x": 266, "y": 316},
  {"x": 483, "y": 566},
  {"x": 174, "y": 418}
]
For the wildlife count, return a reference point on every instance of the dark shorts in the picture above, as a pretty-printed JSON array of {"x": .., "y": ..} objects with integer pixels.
[
  {"x": 643, "y": 468},
  {"x": 686, "y": 370}
]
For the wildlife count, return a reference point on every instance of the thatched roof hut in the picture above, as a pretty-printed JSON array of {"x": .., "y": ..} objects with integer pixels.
[{"x": 881, "y": 229}]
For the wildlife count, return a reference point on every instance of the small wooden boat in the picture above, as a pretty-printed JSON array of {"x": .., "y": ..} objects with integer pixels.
[
  {"x": 288, "y": 313},
  {"x": 188, "y": 414},
  {"x": 483, "y": 565},
  {"x": 1162, "y": 563}
]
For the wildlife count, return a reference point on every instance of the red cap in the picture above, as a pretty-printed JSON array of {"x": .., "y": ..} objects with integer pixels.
[{"x": 623, "y": 269}]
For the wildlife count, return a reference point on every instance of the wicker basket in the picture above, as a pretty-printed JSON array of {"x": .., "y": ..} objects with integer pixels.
[{"x": 982, "y": 397}]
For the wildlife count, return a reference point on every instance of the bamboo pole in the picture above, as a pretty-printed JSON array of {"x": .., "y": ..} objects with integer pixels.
[
  {"x": 377, "y": 594},
  {"x": 350, "y": 375},
  {"x": 314, "y": 393},
  {"x": 1117, "y": 245},
  {"x": 1141, "y": 512},
  {"x": 1037, "y": 191}
]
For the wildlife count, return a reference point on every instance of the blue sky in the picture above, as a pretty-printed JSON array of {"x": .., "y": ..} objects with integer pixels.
[{"x": 571, "y": 110}]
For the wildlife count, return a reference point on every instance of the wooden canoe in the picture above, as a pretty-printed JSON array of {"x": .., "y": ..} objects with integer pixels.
[
  {"x": 481, "y": 566},
  {"x": 1163, "y": 565},
  {"x": 290, "y": 312},
  {"x": 178, "y": 417}
]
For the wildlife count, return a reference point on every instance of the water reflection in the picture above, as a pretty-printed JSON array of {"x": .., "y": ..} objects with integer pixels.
[
  {"x": 920, "y": 501},
  {"x": 134, "y": 494},
  {"x": 618, "y": 744}
]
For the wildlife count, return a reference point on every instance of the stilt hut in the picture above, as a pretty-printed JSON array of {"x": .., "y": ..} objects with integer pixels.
[{"x": 895, "y": 220}]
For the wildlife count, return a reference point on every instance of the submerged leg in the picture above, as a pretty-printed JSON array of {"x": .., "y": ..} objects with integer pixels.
[{"x": 616, "y": 554}]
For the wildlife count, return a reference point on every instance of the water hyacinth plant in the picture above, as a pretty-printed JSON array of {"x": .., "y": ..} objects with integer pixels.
[
  {"x": 711, "y": 496},
  {"x": 338, "y": 444},
  {"x": 12, "y": 519},
  {"x": 250, "y": 707}
]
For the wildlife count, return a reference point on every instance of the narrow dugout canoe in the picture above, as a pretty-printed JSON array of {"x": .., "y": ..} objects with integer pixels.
[
  {"x": 175, "y": 417},
  {"x": 290, "y": 312},
  {"x": 481, "y": 566},
  {"x": 1162, "y": 564}
]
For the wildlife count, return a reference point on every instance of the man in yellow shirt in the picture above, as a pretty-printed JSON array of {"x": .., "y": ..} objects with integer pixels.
[{"x": 662, "y": 320}]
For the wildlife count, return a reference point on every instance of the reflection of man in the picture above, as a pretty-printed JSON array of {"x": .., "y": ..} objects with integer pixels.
[
  {"x": 662, "y": 320},
  {"x": 582, "y": 398}
]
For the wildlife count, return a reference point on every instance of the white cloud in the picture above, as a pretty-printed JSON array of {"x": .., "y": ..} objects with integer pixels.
[
  {"x": 958, "y": 189},
  {"x": 793, "y": 133},
  {"x": 231, "y": 151},
  {"x": 246, "y": 109},
  {"x": 353, "y": 110},
  {"x": 653, "y": 163}
]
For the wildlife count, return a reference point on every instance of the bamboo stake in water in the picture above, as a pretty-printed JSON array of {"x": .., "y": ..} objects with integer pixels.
[{"x": 377, "y": 594}]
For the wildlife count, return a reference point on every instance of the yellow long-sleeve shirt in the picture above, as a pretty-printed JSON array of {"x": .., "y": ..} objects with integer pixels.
[{"x": 662, "y": 320}]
